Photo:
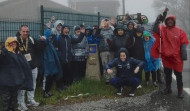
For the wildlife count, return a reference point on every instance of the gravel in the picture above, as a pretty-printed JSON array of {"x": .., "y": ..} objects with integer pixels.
[{"x": 149, "y": 102}]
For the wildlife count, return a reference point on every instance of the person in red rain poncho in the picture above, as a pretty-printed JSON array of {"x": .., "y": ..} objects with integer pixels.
[{"x": 173, "y": 51}]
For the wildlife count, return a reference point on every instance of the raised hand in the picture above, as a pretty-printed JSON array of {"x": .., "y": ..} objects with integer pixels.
[
  {"x": 166, "y": 9},
  {"x": 109, "y": 71},
  {"x": 136, "y": 70}
]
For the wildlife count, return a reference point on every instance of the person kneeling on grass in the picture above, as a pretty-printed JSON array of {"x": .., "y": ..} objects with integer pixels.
[{"x": 127, "y": 67}]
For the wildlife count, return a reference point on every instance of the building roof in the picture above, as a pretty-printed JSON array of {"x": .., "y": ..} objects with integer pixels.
[{"x": 28, "y": 9}]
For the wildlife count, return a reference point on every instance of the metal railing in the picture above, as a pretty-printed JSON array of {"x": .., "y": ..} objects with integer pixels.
[
  {"x": 70, "y": 19},
  {"x": 9, "y": 27}
]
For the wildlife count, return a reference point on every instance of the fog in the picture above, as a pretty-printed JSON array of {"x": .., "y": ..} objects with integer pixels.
[
  {"x": 132, "y": 6},
  {"x": 145, "y": 7},
  {"x": 151, "y": 8}
]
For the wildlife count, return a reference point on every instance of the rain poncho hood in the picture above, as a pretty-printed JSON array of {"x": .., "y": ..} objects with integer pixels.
[
  {"x": 130, "y": 22},
  {"x": 64, "y": 26},
  {"x": 125, "y": 51},
  {"x": 75, "y": 28},
  {"x": 14, "y": 69},
  {"x": 54, "y": 29},
  {"x": 119, "y": 27},
  {"x": 170, "y": 17},
  {"x": 8, "y": 41}
]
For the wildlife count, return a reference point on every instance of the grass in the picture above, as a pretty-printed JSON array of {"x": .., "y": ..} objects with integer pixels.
[{"x": 94, "y": 90}]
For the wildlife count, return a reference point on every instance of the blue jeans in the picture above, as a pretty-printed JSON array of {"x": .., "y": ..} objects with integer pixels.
[{"x": 118, "y": 82}]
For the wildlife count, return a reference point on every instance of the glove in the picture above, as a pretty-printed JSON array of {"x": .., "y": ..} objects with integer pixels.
[{"x": 166, "y": 9}]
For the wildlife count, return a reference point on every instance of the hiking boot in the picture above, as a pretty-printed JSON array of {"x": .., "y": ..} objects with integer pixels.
[
  {"x": 22, "y": 107},
  {"x": 167, "y": 90},
  {"x": 33, "y": 103},
  {"x": 180, "y": 92}
]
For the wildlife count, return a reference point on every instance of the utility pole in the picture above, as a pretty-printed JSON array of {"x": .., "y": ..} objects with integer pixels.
[{"x": 123, "y": 3}]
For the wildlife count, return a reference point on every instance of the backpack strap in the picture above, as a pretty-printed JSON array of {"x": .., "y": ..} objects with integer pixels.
[{"x": 32, "y": 40}]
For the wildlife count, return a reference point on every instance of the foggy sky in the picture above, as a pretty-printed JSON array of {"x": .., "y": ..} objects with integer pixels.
[
  {"x": 131, "y": 6},
  {"x": 145, "y": 7}
]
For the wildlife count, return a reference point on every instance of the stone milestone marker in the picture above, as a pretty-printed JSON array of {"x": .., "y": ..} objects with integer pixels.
[{"x": 92, "y": 65}]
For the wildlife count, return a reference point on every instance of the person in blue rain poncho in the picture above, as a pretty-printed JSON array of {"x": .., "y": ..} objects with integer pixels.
[
  {"x": 52, "y": 66},
  {"x": 151, "y": 64}
]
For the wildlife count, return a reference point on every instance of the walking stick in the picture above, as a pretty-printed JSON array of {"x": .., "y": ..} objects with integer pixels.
[{"x": 161, "y": 66}]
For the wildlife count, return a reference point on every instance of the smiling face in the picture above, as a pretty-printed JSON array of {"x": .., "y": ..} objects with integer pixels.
[
  {"x": 146, "y": 38},
  {"x": 123, "y": 56},
  {"x": 13, "y": 45},
  {"x": 139, "y": 34},
  {"x": 24, "y": 32},
  {"x": 170, "y": 22},
  {"x": 120, "y": 32},
  {"x": 130, "y": 26},
  {"x": 66, "y": 30},
  {"x": 59, "y": 27},
  {"x": 77, "y": 32}
]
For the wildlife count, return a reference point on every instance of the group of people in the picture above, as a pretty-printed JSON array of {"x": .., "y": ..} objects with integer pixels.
[
  {"x": 18, "y": 69},
  {"x": 140, "y": 47},
  {"x": 125, "y": 50}
]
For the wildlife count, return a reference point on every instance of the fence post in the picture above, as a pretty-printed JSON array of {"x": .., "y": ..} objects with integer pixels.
[
  {"x": 42, "y": 19},
  {"x": 98, "y": 19}
]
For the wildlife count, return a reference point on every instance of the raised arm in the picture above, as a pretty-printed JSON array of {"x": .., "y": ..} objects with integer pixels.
[
  {"x": 80, "y": 38},
  {"x": 159, "y": 20}
]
